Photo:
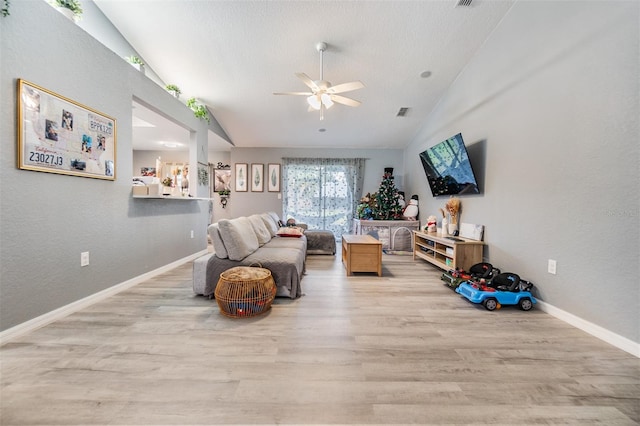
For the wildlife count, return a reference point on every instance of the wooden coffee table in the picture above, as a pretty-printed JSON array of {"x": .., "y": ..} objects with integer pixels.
[{"x": 362, "y": 253}]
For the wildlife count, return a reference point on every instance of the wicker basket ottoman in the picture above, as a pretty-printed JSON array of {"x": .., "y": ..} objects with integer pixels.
[{"x": 245, "y": 291}]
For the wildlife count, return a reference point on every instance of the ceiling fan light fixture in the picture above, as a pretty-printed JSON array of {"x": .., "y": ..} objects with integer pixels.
[
  {"x": 323, "y": 94},
  {"x": 314, "y": 102},
  {"x": 326, "y": 100}
]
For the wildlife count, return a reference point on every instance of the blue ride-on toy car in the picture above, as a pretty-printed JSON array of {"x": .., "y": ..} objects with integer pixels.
[{"x": 504, "y": 289}]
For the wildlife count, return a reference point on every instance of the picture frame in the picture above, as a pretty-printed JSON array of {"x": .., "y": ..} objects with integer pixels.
[
  {"x": 257, "y": 177},
  {"x": 59, "y": 135},
  {"x": 241, "y": 177},
  {"x": 222, "y": 180},
  {"x": 148, "y": 171},
  {"x": 273, "y": 177}
]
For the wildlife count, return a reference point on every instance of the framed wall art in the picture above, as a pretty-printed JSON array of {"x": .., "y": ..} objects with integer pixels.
[
  {"x": 148, "y": 171},
  {"x": 58, "y": 135},
  {"x": 222, "y": 180},
  {"x": 257, "y": 177},
  {"x": 273, "y": 178},
  {"x": 242, "y": 177}
]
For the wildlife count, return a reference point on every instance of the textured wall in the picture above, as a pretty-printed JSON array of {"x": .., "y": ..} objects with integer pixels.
[
  {"x": 549, "y": 108},
  {"x": 47, "y": 220}
]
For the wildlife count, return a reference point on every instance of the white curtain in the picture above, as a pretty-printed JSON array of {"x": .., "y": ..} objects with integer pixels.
[{"x": 322, "y": 192}]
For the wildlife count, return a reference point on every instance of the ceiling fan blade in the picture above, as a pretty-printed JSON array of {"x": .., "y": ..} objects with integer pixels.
[
  {"x": 346, "y": 87},
  {"x": 345, "y": 101},
  {"x": 294, "y": 93},
  {"x": 306, "y": 80}
]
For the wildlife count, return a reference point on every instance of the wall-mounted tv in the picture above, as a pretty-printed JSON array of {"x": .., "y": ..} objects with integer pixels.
[{"x": 448, "y": 168}]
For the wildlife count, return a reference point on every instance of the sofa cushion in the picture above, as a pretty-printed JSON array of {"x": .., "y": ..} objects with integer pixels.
[
  {"x": 270, "y": 224},
  {"x": 262, "y": 233},
  {"x": 239, "y": 238},
  {"x": 216, "y": 240}
]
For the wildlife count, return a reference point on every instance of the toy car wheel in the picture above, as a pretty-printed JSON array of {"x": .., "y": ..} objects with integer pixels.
[
  {"x": 525, "y": 304},
  {"x": 491, "y": 304}
]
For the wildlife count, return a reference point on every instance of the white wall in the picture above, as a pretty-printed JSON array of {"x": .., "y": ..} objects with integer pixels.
[
  {"x": 47, "y": 220},
  {"x": 549, "y": 108}
]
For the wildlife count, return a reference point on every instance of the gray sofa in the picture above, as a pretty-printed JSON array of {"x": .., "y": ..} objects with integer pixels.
[{"x": 254, "y": 241}]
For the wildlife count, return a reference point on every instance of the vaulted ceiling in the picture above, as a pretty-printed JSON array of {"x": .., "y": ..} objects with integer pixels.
[{"x": 233, "y": 55}]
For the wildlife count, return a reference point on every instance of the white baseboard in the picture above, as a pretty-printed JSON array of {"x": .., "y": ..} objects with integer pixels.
[
  {"x": 595, "y": 330},
  {"x": 35, "y": 323}
]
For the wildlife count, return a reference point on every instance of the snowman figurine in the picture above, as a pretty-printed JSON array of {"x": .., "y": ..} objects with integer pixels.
[{"x": 411, "y": 211}]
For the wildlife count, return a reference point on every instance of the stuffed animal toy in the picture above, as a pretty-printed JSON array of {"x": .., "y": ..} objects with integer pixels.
[
  {"x": 432, "y": 224},
  {"x": 411, "y": 211}
]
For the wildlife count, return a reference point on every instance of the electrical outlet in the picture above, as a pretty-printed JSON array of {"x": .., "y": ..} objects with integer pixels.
[
  {"x": 279, "y": 196},
  {"x": 192, "y": 233},
  {"x": 551, "y": 267},
  {"x": 84, "y": 258}
]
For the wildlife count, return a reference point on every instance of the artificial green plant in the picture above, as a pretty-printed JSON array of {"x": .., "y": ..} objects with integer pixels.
[
  {"x": 72, "y": 5},
  {"x": 199, "y": 110}
]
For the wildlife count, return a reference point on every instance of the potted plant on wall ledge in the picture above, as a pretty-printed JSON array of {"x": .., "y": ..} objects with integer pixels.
[
  {"x": 72, "y": 9},
  {"x": 136, "y": 62},
  {"x": 198, "y": 109},
  {"x": 174, "y": 90}
]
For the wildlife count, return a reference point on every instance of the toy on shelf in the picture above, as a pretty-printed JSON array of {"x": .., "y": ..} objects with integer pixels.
[
  {"x": 454, "y": 277},
  {"x": 431, "y": 226},
  {"x": 504, "y": 289}
]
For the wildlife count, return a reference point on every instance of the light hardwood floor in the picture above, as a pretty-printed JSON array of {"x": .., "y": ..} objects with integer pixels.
[{"x": 398, "y": 349}]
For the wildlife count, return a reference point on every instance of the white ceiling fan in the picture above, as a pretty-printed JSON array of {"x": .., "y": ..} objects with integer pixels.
[{"x": 323, "y": 94}]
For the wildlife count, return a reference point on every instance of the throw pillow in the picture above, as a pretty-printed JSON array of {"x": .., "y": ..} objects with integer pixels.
[
  {"x": 216, "y": 240},
  {"x": 276, "y": 218},
  {"x": 262, "y": 233},
  {"x": 270, "y": 224},
  {"x": 238, "y": 237},
  {"x": 290, "y": 231}
]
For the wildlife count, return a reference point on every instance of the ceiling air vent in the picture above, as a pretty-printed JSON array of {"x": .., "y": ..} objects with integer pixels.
[
  {"x": 402, "y": 112},
  {"x": 463, "y": 3}
]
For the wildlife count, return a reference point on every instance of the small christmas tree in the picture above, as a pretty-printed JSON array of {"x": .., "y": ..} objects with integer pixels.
[{"x": 387, "y": 206}]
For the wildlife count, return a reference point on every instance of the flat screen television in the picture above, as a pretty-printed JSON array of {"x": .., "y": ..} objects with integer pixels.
[{"x": 448, "y": 168}]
